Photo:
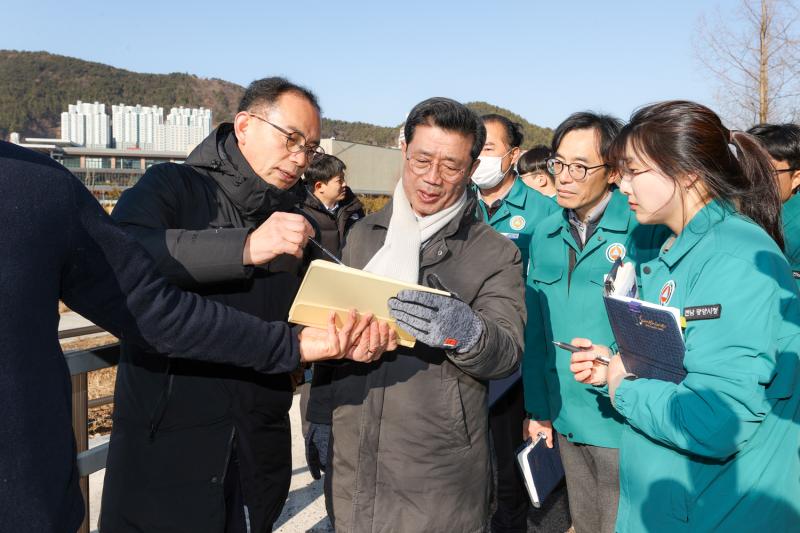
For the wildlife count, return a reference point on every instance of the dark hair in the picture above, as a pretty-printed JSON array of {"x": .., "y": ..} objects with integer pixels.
[
  {"x": 322, "y": 169},
  {"x": 683, "y": 138},
  {"x": 606, "y": 125},
  {"x": 782, "y": 141},
  {"x": 450, "y": 116},
  {"x": 534, "y": 160},
  {"x": 514, "y": 134},
  {"x": 266, "y": 91}
]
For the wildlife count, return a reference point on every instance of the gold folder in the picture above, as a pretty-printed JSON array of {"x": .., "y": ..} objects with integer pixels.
[{"x": 330, "y": 287}]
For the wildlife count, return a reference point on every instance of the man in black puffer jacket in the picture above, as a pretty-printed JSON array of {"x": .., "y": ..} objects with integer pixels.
[{"x": 206, "y": 448}]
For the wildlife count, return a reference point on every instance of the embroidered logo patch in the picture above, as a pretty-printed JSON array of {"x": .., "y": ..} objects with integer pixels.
[
  {"x": 517, "y": 222},
  {"x": 615, "y": 251},
  {"x": 666, "y": 292},
  {"x": 703, "y": 312}
]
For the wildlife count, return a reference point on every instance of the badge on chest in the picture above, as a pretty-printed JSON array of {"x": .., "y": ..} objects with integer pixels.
[
  {"x": 703, "y": 312},
  {"x": 666, "y": 292}
]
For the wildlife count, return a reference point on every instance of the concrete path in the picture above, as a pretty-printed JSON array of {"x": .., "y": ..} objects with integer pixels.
[{"x": 72, "y": 320}]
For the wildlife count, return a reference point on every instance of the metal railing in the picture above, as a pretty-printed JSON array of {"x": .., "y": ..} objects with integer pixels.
[{"x": 80, "y": 362}]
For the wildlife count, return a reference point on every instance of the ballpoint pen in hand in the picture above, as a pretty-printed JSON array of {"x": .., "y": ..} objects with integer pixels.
[
  {"x": 602, "y": 359},
  {"x": 325, "y": 251}
]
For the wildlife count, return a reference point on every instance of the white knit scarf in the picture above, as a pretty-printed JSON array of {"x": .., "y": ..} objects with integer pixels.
[{"x": 398, "y": 258}]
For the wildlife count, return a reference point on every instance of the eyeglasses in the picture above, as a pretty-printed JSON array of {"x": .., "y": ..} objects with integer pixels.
[
  {"x": 628, "y": 175},
  {"x": 295, "y": 141},
  {"x": 420, "y": 166},
  {"x": 777, "y": 171},
  {"x": 577, "y": 171}
]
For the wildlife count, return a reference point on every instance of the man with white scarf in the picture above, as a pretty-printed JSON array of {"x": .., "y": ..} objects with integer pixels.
[{"x": 410, "y": 431}]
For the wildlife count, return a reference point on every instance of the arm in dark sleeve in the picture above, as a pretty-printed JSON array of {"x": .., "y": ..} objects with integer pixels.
[
  {"x": 108, "y": 278},
  {"x": 150, "y": 211},
  {"x": 500, "y": 304}
]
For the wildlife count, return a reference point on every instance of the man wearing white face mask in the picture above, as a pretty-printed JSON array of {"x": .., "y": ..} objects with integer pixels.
[
  {"x": 513, "y": 209},
  {"x": 507, "y": 204}
]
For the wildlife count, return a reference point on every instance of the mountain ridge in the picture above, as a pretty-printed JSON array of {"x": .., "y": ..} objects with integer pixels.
[{"x": 36, "y": 87}]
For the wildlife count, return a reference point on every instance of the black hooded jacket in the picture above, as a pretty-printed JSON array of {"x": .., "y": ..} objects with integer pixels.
[{"x": 176, "y": 422}]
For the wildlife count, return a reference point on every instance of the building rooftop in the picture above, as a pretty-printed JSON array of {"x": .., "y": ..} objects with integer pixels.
[{"x": 117, "y": 152}]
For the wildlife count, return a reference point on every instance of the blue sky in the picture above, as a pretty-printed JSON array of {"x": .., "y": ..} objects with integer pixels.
[{"x": 372, "y": 61}]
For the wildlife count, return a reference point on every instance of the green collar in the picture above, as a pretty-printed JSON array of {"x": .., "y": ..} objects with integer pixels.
[
  {"x": 791, "y": 209},
  {"x": 617, "y": 216},
  {"x": 700, "y": 224},
  {"x": 518, "y": 193},
  {"x": 516, "y": 196}
]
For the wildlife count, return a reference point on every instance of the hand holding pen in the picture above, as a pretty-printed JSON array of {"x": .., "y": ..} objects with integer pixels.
[
  {"x": 589, "y": 362},
  {"x": 599, "y": 358}
]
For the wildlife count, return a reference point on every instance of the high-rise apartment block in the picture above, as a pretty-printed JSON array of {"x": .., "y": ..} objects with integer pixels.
[
  {"x": 86, "y": 125},
  {"x": 139, "y": 127}
]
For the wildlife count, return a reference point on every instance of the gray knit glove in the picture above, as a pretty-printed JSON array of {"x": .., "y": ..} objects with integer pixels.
[{"x": 438, "y": 321}]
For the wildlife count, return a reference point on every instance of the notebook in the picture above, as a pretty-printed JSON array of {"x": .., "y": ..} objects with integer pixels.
[
  {"x": 541, "y": 468},
  {"x": 330, "y": 287},
  {"x": 649, "y": 336}
]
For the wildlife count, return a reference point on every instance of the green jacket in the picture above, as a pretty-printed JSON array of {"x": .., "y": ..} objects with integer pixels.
[
  {"x": 522, "y": 209},
  {"x": 719, "y": 451},
  {"x": 561, "y": 307},
  {"x": 791, "y": 233}
]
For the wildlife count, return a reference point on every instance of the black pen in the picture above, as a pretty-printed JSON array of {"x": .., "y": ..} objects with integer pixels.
[
  {"x": 602, "y": 359},
  {"x": 326, "y": 252}
]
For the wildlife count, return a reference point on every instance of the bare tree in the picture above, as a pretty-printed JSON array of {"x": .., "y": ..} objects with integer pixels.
[{"x": 754, "y": 54}]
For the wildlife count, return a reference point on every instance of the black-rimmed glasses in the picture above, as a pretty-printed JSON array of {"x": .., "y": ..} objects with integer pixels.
[
  {"x": 577, "y": 171},
  {"x": 295, "y": 141}
]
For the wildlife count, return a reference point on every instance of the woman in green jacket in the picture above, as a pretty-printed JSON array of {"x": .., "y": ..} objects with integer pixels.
[{"x": 719, "y": 450}]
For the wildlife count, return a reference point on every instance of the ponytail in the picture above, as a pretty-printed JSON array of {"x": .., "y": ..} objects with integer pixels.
[
  {"x": 760, "y": 200},
  {"x": 685, "y": 138}
]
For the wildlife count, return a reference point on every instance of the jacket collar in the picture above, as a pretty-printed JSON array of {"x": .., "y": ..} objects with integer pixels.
[
  {"x": 617, "y": 217},
  {"x": 382, "y": 218},
  {"x": 709, "y": 216},
  {"x": 517, "y": 195},
  {"x": 256, "y": 199}
]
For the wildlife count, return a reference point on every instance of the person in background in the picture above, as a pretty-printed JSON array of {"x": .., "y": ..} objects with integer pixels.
[
  {"x": 60, "y": 245},
  {"x": 513, "y": 210},
  {"x": 334, "y": 209},
  {"x": 782, "y": 142},
  {"x": 410, "y": 434},
  {"x": 717, "y": 451},
  {"x": 573, "y": 250},
  {"x": 331, "y": 203},
  {"x": 532, "y": 169}
]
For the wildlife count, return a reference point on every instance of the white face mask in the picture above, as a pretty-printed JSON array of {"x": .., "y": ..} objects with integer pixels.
[{"x": 489, "y": 172}]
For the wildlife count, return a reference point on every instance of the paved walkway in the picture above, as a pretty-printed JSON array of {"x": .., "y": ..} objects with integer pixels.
[{"x": 72, "y": 320}]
